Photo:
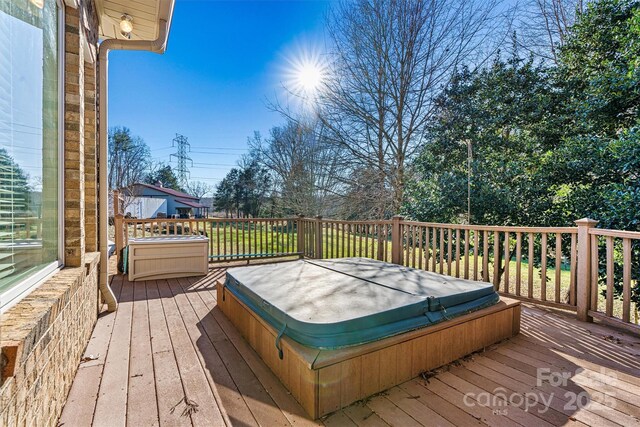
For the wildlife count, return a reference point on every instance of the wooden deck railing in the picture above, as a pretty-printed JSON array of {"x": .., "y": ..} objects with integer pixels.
[
  {"x": 584, "y": 269},
  {"x": 615, "y": 264},
  {"x": 527, "y": 262},
  {"x": 230, "y": 239}
]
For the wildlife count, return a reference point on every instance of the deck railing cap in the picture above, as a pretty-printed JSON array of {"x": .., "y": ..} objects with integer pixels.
[{"x": 587, "y": 222}]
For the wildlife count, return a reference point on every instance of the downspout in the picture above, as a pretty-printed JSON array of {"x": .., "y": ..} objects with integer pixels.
[{"x": 158, "y": 46}]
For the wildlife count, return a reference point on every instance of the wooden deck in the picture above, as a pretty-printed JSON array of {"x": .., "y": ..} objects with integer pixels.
[{"x": 169, "y": 357}]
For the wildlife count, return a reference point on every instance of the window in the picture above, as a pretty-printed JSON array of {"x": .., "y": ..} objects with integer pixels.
[{"x": 30, "y": 110}]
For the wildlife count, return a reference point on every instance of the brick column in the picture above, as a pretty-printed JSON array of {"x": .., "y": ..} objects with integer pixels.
[
  {"x": 90, "y": 159},
  {"x": 74, "y": 173}
]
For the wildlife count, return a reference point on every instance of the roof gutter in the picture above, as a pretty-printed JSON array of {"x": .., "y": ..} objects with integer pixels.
[{"x": 158, "y": 46}]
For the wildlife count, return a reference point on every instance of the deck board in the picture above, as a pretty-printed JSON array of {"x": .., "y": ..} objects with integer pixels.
[
  {"x": 167, "y": 378},
  {"x": 142, "y": 407},
  {"x": 111, "y": 406},
  {"x": 196, "y": 388},
  {"x": 168, "y": 340}
]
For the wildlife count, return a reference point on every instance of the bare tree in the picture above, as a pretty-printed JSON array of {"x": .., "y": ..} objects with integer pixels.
[
  {"x": 544, "y": 25},
  {"x": 306, "y": 169},
  {"x": 129, "y": 161},
  {"x": 198, "y": 189},
  {"x": 389, "y": 59}
]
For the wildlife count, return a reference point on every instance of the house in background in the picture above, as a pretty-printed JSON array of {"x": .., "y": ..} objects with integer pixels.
[{"x": 153, "y": 201}]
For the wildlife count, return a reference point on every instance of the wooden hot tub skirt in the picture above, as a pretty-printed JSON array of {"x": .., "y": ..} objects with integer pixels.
[{"x": 323, "y": 381}]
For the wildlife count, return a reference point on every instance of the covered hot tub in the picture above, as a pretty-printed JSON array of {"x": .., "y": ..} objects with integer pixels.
[
  {"x": 317, "y": 323},
  {"x": 336, "y": 303}
]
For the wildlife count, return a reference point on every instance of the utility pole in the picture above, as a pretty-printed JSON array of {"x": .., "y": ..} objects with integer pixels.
[{"x": 182, "y": 171}]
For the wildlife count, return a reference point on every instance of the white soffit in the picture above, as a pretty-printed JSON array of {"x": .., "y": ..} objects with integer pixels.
[{"x": 145, "y": 14}]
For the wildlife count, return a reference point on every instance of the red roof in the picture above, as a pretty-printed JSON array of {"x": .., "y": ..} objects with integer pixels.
[
  {"x": 169, "y": 191},
  {"x": 190, "y": 203}
]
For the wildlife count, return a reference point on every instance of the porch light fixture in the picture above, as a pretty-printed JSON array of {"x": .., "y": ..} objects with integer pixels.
[
  {"x": 126, "y": 25},
  {"x": 38, "y": 3}
]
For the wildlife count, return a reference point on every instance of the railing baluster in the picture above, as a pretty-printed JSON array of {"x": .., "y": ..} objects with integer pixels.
[
  {"x": 353, "y": 238},
  {"x": 558, "y": 266},
  {"x": 217, "y": 240},
  {"x": 420, "y": 248},
  {"x": 414, "y": 248},
  {"x": 543, "y": 268},
  {"x": 507, "y": 261},
  {"x": 530, "y": 266},
  {"x": 458, "y": 259},
  {"x": 425, "y": 248},
  {"x": 485, "y": 256},
  {"x": 344, "y": 233},
  {"x": 595, "y": 260},
  {"x": 210, "y": 238},
  {"x": 496, "y": 259},
  {"x": 237, "y": 224},
  {"x": 441, "y": 268},
  {"x": 610, "y": 277},
  {"x": 476, "y": 253},
  {"x": 227, "y": 224},
  {"x": 354, "y": 232},
  {"x": 626, "y": 280},
  {"x": 244, "y": 238},
  {"x": 467, "y": 268},
  {"x": 518, "y": 263},
  {"x": 370, "y": 240},
  {"x": 449, "y": 250},
  {"x": 434, "y": 254},
  {"x": 572, "y": 279}
]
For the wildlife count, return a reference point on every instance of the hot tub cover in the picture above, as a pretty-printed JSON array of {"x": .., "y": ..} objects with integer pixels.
[{"x": 336, "y": 303}]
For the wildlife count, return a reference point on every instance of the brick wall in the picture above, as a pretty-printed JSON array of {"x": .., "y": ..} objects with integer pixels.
[
  {"x": 43, "y": 336},
  {"x": 49, "y": 330}
]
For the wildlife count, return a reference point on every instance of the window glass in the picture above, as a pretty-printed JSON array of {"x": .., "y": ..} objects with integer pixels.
[{"x": 29, "y": 143}]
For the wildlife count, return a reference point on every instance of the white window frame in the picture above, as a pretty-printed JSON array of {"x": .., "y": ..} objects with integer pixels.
[{"x": 20, "y": 290}]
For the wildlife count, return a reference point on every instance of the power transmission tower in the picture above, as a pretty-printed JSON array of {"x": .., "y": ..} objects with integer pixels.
[{"x": 182, "y": 171}]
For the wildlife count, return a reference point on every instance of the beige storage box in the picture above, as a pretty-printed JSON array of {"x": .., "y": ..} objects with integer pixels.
[{"x": 152, "y": 258}]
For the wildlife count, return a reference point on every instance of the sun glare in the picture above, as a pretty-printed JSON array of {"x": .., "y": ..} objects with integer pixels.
[
  {"x": 305, "y": 75},
  {"x": 309, "y": 77}
]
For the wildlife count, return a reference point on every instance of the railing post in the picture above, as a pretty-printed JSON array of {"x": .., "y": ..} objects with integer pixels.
[
  {"x": 318, "y": 238},
  {"x": 116, "y": 203},
  {"x": 300, "y": 231},
  {"x": 584, "y": 279},
  {"x": 396, "y": 240},
  {"x": 117, "y": 224}
]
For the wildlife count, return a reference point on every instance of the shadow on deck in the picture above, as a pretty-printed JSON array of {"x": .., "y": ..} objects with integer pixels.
[{"x": 169, "y": 356}]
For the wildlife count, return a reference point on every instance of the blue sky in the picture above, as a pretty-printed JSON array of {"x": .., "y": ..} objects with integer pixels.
[{"x": 225, "y": 59}]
